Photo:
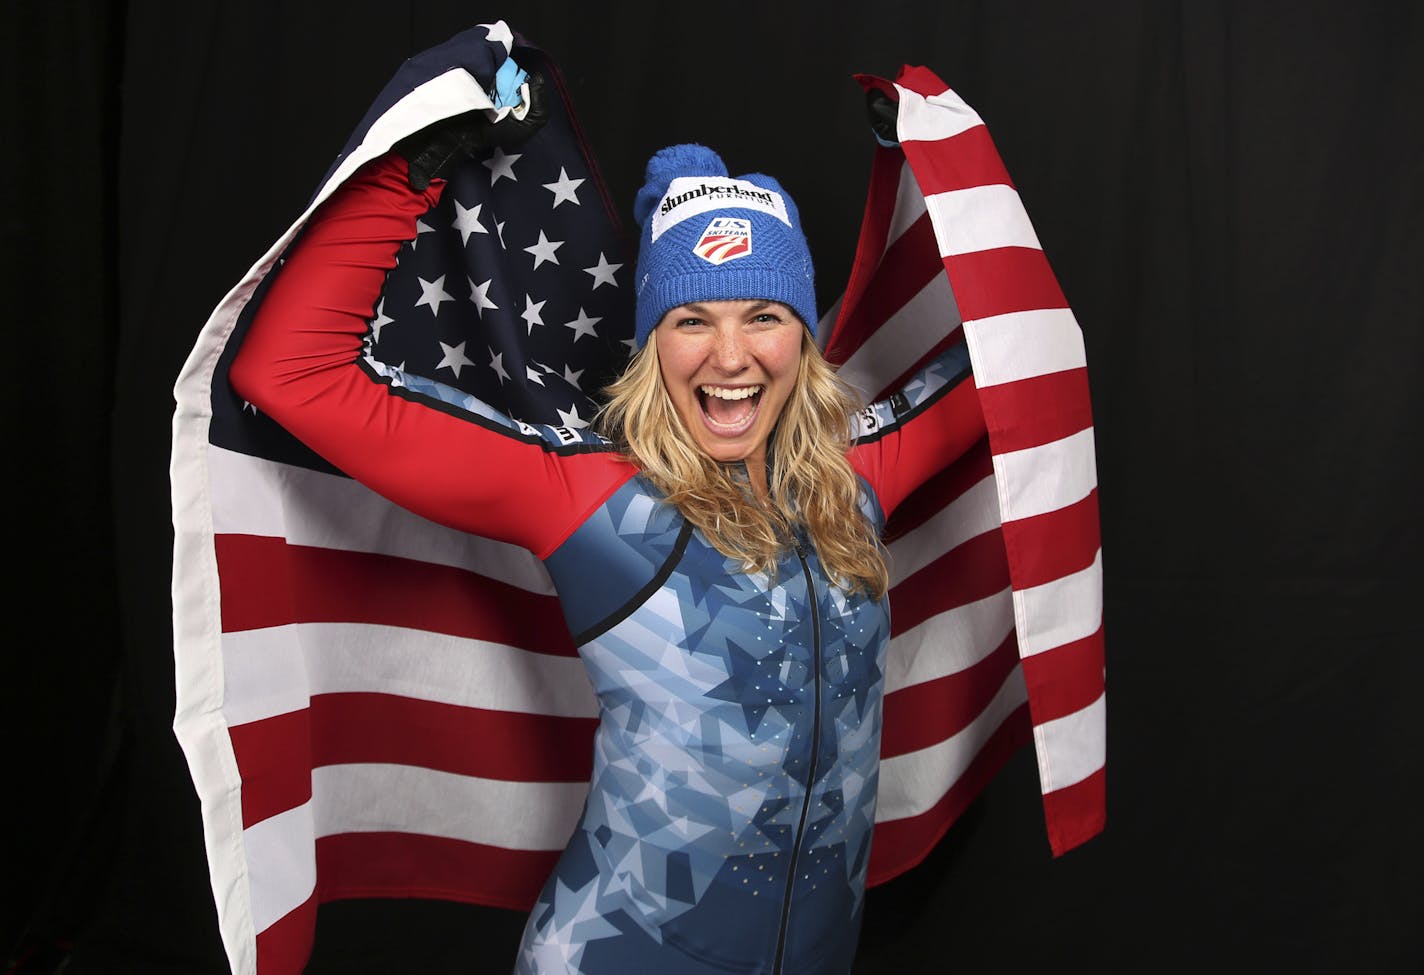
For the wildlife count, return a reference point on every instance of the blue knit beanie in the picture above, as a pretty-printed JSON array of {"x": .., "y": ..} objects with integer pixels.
[{"x": 708, "y": 237}]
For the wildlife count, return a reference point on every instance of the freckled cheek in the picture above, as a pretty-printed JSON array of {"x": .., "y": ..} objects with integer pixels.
[
  {"x": 779, "y": 354},
  {"x": 783, "y": 366},
  {"x": 677, "y": 367}
]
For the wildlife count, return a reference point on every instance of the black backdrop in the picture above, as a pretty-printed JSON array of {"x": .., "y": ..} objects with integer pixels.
[{"x": 1230, "y": 193}]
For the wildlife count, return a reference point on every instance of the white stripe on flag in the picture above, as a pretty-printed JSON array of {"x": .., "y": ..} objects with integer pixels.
[
  {"x": 909, "y": 205},
  {"x": 267, "y": 671},
  {"x": 937, "y": 117},
  {"x": 1024, "y": 344},
  {"x": 980, "y": 218},
  {"x": 1072, "y": 747},
  {"x": 1062, "y": 611},
  {"x": 1037, "y": 480},
  {"x": 281, "y": 864},
  {"x": 973, "y": 513},
  {"x": 252, "y": 496},
  {"x": 264, "y": 674},
  {"x": 948, "y": 642},
  {"x": 912, "y": 783},
  {"x": 407, "y": 799},
  {"x": 901, "y": 342}
]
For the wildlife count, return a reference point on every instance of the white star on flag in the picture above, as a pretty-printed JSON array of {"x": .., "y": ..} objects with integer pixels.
[
  {"x": 531, "y": 313},
  {"x": 583, "y": 325},
  {"x": 432, "y": 293},
  {"x": 499, "y": 229},
  {"x": 468, "y": 221},
  {"x": 533, "y": 376},
  {"x": 571, "y": 376},
  {"x": 421, "y": 227},
  {"x": 479, "y": 294},
  {"x": 497, "y": 364},
  {"x": 380, "y": 321},
  {"x": 544, "y": 249},
  {"x": 454, "y": 358},
  {"x": 499, "y": 33},
  {"x": 565, "y": 190},
  {"x": 502, "y": 163},
  {"x": 602, "y": 272},
  {"x": 571, "y": 418}
]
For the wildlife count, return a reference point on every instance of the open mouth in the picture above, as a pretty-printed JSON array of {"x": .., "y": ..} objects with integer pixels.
[{"x": 729, "y": 411}]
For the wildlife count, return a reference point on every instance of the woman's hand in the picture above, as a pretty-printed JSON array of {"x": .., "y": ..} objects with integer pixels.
[{"x": 436, "y": 149}]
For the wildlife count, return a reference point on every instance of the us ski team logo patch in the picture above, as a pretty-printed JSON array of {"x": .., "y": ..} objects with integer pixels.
[{"x": 725, "y": 239}]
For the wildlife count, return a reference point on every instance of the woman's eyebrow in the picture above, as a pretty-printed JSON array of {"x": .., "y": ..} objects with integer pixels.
[{"x": 699, "y": 309}]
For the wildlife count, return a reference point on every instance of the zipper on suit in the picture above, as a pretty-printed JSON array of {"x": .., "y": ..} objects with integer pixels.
[{"x": 815, "y": 752}]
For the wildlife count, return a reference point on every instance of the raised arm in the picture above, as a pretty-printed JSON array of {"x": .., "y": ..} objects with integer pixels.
[
  {"x": 930, "y": 423},
  {"x": 301, "y": 362}
]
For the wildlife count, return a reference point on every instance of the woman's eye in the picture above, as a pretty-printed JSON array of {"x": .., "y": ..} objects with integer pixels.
[
  {"x": 768, "y": 318},
  {"x": 688, "y": 322}
]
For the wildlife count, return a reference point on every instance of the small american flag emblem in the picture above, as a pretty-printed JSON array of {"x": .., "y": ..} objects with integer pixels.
[{"x": 725, "y": 239}]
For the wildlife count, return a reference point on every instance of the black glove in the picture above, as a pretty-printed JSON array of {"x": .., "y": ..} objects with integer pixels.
[
  {"x": 883, "y": 112},
  {"x": 441, "y": 146}
]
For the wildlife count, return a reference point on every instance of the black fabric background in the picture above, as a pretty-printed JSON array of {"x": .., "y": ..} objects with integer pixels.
[{"x": 1230, "y": 194}]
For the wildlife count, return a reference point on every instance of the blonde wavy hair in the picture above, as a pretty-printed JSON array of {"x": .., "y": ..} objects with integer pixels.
[{"x": 812, "y": 484}]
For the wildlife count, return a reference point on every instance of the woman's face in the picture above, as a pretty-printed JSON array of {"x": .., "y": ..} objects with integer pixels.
[{"x": 729, "y": 367}]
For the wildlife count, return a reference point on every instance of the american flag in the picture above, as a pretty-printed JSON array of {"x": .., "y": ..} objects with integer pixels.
[
  {"x": 374, "y": 705},
  {"x": 996, "y": 570}
]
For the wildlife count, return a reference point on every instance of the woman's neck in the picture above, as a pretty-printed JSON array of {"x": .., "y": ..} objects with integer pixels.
[{"x": 758, "y": 477}]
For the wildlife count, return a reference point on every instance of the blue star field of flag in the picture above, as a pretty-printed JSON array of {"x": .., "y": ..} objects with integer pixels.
[{"x": 516, "y": 288}]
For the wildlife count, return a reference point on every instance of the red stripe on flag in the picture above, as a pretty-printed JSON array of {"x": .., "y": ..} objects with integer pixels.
[
  {"x": 871, "y": 82},
  {"x": 414, "y": 865},
  {"x": 284, "y": 947},
  {"x": 870, "y": 246},
  {"x": 267, "y": 582},
  {"x": 1002, "y": 280},
  {"x": 902, "y": 843},
  {"x": 361, "y": 728},
  {"x": 1074, "y": 815},
  {"x": 921, "y": 80},
  {"x": 973, "y": 570},
  {"x": 275, "y": 755},
  {"x": 910, "y": 263},
  {"x": 274, "y": 760},
  {"x": 1054, "y": 544},
  {"x": 926, "y": 714},
  {"x": 930, "y": 498},
  {"x": 960, "y": 162},
  {"x": 1066, "y": 679},
  {"x": 1035, "y": 411}
]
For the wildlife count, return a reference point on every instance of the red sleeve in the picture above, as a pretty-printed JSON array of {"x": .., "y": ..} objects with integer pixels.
[
  {"x": 921, "y": 446},
  {"x": 300, "y": 364}
]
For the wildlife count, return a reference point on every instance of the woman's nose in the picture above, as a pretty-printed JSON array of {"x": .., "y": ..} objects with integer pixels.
[{"x": 729, "y": 353}]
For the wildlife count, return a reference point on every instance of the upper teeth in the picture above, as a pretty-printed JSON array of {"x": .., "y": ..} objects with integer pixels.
[{"x": 722, "y": 392}]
